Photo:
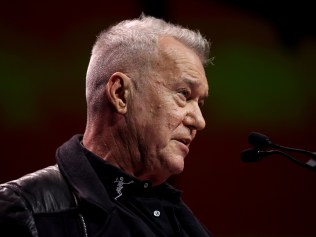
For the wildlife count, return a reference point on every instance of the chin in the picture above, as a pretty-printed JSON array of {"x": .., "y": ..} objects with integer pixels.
[
  {"x": 171, "y": 164},
  {"x": 176, "y": 168}
]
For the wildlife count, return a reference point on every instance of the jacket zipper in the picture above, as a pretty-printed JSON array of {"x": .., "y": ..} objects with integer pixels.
[{"x": 84, "y": 226}]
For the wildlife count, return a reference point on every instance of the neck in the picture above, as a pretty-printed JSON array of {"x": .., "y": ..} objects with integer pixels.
[
  {"x": 111, "y": 145},
  {"x": 119, "y": 149}
]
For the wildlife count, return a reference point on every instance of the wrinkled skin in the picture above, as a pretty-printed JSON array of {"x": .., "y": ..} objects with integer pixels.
[
  {"x": 152, "y": 125},
  {"x": 167, "y": 113}
]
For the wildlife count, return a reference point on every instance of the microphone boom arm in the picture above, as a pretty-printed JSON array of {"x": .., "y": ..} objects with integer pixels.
[
  {"x": 311, "y": 163},
  {"x": 261, "y": 144}
]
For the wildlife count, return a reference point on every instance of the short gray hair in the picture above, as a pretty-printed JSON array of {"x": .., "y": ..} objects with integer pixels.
[{"x": 130, "y": 46}]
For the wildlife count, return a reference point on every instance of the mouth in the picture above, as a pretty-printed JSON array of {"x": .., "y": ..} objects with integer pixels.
[
  {"x": 186, "y": 142},
  {"x": 183, "y": 145}
]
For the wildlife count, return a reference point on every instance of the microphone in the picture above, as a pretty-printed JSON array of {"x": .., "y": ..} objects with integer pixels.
[
  {"x": 254, "y": 154},
  {"x": 262, "y": 148},
  {"x": 259, "y": 140}
]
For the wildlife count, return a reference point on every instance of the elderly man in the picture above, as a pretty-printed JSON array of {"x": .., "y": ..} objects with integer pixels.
[{"x": 145, "y": 85}]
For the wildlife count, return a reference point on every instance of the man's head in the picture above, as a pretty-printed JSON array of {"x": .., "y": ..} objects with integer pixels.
[{"x": 145, "y": 85}]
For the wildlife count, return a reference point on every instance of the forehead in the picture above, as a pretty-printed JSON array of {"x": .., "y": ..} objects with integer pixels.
[
  {"x": 171, "y": 48},
  {"x": 179, "y": 62}
]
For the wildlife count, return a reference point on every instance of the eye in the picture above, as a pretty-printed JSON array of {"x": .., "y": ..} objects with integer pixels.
[{"x": 184, "y": 93}]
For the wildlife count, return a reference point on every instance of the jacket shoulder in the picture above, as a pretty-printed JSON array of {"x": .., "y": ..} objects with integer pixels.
[{"x": 44, "y": 191}]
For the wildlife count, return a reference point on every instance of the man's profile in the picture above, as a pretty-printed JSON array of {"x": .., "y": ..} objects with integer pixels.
[{"x": 145, "y": 86}]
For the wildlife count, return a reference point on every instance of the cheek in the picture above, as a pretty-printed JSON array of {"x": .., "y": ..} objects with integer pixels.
[
  {"x": 175, "y": 118},
  {"x": 160, "y": 112}
]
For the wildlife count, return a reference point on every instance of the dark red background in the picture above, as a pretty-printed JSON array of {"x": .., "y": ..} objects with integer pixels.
[{"x": 263, "y": 80}]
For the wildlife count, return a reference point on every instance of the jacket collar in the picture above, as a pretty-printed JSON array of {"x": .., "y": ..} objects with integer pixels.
[{"x": 80, "y": 175}]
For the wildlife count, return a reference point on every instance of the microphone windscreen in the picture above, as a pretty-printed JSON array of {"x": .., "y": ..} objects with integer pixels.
[
  {"x": 250, "y": 155},
  {"x": 259, "y": 140}
]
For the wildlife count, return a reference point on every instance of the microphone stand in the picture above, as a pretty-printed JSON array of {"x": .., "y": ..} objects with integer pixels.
[
  {"x": 261, "y": 143},
  {"x": 310, "y": 164}
]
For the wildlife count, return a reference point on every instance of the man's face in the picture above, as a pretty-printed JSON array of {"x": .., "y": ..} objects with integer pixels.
[{"x": 166, "y": 110}]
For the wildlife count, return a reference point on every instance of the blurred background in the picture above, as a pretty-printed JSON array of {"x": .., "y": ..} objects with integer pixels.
[{"x": 263, "y": 80}]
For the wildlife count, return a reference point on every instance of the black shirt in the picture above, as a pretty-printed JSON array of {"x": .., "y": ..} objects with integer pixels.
[{"x": 154, "y": 205}]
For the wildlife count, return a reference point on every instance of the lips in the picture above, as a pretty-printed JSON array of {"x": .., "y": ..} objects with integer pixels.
[
  {"x": 184, "y": 144},
  {"x": 185, "y": 141}
]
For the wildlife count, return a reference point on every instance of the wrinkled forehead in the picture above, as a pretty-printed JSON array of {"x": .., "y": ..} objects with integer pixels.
[
  {"x": 174, "y": 57},
  {"x": 170, "y": 46}
]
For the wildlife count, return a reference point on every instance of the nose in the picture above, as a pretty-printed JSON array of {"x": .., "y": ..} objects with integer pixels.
[{"x": 194, "y": 117}]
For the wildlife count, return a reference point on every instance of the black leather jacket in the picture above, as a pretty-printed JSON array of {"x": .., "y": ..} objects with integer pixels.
[
  {"x": 65, "y": 199},
  {"x": 39, "y": 193}
]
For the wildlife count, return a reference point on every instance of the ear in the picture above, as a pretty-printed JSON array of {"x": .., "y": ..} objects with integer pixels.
[{"x": 118, "y": 90}]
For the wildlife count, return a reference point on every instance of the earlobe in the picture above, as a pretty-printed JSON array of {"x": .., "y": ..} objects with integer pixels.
[{"x": 117, "y": 90}]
